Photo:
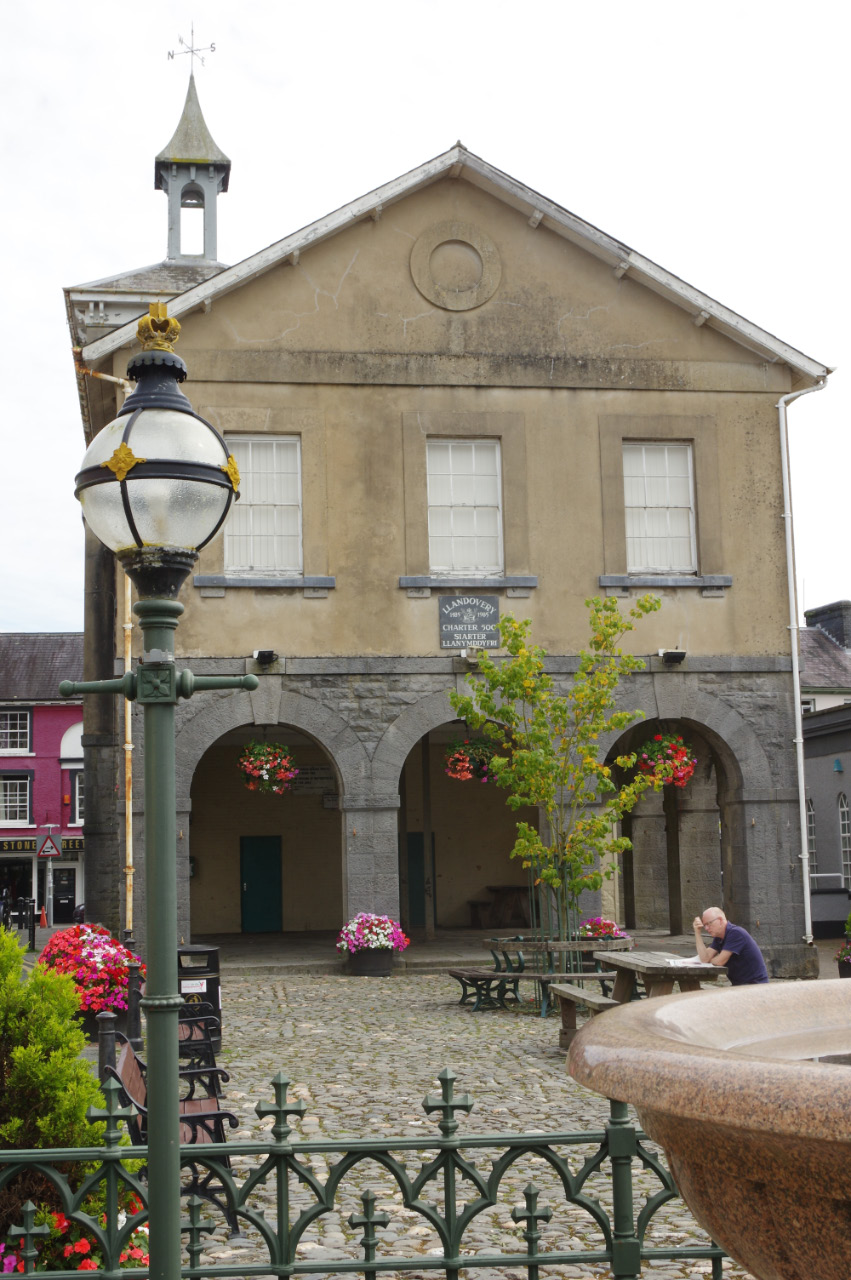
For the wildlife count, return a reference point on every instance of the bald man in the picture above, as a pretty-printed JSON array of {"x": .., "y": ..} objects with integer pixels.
[{"x": 731, "y": 946}]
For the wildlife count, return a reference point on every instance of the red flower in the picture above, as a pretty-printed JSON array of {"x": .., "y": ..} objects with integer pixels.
[
  {"x": 88, "y": 1264},
  {"x": 82, "y": 1246}
]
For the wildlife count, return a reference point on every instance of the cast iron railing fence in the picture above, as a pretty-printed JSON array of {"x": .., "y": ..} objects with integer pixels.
[{"x": 584, "y": 1184}]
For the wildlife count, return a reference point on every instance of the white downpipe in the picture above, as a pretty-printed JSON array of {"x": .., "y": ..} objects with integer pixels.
[
  {"x": 128, "y": 762},
  {"x": 793, "y": 630}
]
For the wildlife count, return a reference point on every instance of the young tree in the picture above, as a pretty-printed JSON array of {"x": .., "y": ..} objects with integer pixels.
[{"x": 548, "y": 748}]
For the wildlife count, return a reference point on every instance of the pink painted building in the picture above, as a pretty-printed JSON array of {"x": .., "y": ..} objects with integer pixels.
[{"x": 42, "y": 791}]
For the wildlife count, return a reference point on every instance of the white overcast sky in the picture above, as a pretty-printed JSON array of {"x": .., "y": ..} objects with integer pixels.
[{"x": 711, "y": 137}]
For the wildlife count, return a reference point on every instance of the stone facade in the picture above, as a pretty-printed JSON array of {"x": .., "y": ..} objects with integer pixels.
[{"x": 455, "y": 305}]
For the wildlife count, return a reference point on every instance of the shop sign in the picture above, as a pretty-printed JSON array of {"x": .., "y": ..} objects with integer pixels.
[
  {"x": 469, "y": 622},
  {"x": 70, "y": 844}
]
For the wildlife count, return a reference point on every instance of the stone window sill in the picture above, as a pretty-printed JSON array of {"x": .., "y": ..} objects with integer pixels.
[
  {"x": 481, "y": 584},
  {"x": 261, "y": 583},
  {"x": 712, "y": 584}
]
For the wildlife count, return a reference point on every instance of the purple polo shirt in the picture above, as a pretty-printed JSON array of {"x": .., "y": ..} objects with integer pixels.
[{"x": 746, "y": 965}]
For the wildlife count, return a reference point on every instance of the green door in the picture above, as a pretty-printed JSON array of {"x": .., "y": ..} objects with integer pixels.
[
  {"x": 260, "y": 884},
  {"x": 417, "y": 873}
]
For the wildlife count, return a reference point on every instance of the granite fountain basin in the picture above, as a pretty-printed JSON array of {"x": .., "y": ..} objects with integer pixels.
[{"x": 747, "y": 1091}]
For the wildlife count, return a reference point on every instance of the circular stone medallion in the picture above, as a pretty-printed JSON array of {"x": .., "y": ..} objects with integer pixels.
[{"x": 456, "y": 266}]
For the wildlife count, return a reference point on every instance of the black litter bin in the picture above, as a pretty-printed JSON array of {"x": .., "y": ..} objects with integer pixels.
[{"x": 199, "y": 981}]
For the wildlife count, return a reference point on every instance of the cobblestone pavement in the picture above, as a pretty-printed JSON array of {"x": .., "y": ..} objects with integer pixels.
[{"x": 362, "y": 1053}]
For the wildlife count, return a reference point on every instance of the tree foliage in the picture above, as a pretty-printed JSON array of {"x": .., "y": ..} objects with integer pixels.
[{"x": 548, "y": 746}]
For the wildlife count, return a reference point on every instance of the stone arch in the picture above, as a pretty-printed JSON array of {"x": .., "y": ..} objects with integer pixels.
[
  {"x": 743, "y": 777},
  {"x": 270, "y": 704},
  {"x": 738, "y": 747},
  {"x": 400, "y": 737}
]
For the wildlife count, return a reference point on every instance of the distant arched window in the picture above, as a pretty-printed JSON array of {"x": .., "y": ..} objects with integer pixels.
[
  {"x": 811, "y": 844},
  {"x": 845, "y": 838}
]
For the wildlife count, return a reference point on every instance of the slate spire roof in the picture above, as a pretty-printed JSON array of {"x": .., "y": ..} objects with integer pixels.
[{"x": 192, "y": 142}]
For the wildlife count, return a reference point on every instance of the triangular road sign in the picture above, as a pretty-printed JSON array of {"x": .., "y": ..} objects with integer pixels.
[{"x": 49, "y": 848}]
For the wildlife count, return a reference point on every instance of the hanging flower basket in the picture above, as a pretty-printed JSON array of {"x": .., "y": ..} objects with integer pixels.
[
  {"x": 668, "y": 749},
  {"x": 469, "y": 760},
  {"x": 267, "y": 766}
]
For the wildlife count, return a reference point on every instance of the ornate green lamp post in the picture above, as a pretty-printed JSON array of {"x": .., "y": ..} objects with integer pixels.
[{"x": 155, "y": 486}]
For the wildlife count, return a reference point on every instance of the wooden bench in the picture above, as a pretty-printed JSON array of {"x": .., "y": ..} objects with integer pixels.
[
  {"x": 201, "y": 1120},
  {"x": 493, "y": 988},
  {"x": 571, "y": 994},
  {"x": 197, "y": 1029}
]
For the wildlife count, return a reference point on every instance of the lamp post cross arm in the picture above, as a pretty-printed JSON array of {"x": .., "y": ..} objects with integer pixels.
[{"x": 154, "y": 684}]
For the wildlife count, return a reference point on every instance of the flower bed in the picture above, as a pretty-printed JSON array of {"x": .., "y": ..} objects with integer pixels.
[
  {"x": 267, "y": 766},
  {"x": 667, "y": 749},
  {"x": 366, "y": 932},
  {"x": 69, "y": 1247},
  {"x": 597, "y": 927},
  {"x": 96, "y": 961}
]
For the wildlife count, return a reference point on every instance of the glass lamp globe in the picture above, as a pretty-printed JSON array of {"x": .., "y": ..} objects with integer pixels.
[
  {"x": 157, "y": 483},
  {"x": 155, "y": 478}
]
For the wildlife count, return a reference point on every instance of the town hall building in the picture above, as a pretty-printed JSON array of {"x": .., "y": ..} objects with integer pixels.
[{"x": 450, "y": 400}]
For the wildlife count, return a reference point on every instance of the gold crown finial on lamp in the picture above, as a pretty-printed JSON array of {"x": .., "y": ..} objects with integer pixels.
[{"x": 158, "y": 331}]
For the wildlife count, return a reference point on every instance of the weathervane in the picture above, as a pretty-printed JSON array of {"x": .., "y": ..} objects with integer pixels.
[{"x": 190, "y": 48}]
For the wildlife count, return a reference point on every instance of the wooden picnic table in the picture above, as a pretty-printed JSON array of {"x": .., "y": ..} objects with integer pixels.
[
  {"x": 510, "y": 905},
  {"x": 511, "y": 955},
  {"x": 659, "y": 971}
]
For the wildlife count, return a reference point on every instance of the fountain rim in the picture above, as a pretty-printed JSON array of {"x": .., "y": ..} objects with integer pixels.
[{"x": 637, "y": 1054}]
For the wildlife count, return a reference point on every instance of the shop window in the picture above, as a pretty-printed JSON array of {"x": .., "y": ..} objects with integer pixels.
[
  {"x": 78, "y": 797},
  {"x": 15, "y": 732},
  {"x": 16, "y": 799}
]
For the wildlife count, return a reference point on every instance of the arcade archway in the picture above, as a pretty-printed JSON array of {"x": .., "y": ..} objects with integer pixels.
[{"x": 264, "y": 863}]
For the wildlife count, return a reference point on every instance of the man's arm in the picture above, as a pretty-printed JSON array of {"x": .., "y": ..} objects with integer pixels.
[{"x": 707, "y": 954}]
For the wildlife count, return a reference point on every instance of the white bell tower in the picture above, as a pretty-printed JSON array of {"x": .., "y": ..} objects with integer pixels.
[{"x": 191, "y": 170}]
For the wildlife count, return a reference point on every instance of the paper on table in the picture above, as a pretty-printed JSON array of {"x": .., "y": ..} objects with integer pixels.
[{"x": 681, "y": 960}]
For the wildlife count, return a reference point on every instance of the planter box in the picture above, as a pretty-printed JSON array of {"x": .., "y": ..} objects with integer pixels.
[{"x": 375, "y": 963}]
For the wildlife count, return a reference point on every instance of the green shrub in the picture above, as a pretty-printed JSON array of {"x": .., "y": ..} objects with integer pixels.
[{"x": 45, "y": 1087}]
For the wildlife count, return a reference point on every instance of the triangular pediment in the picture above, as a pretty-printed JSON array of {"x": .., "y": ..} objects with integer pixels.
[{"x": 545, "y": 258}]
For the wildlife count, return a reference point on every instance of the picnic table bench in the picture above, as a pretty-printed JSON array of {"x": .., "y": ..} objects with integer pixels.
[{"x": 494, "y": 988}]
